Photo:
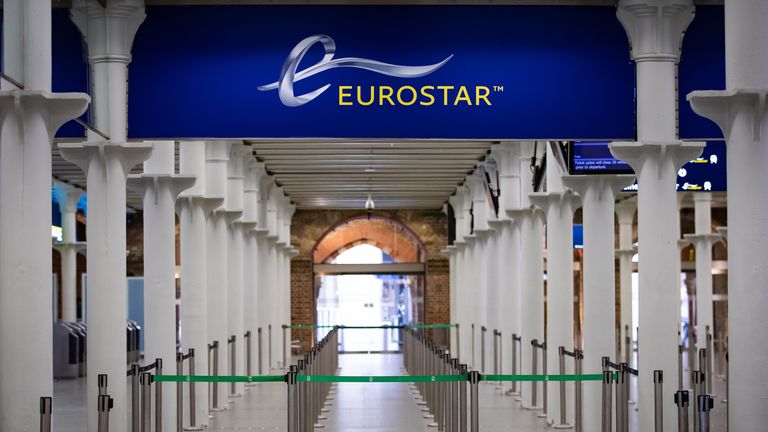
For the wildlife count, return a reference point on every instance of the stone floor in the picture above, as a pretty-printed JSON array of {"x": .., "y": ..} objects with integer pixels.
[{"x": 357, "y": 406}]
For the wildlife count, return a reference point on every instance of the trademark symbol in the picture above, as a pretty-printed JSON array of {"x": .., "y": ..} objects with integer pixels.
[{"x": 498, "y": 88}]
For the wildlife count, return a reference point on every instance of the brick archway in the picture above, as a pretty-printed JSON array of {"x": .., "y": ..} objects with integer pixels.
[{"x": 389, "y": 235}]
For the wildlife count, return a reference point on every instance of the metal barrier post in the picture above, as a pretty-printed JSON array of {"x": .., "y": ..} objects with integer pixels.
[
  {"x": 482, "y": 347},
  {"x": 682, "y": 402},
  {"x": 710, "y": 355},
  {"x": 495, "y": 352},
  {"x": 515, "y": 348},
  {"x": 146, "y": 401},
  {"x": 232, "y": 364},
  {"x": 621, "y": 375},
  {"x": 179, "y": 393},
  {"x": 269, "y": 348},
  {"x": 46, "y": 407},
  {"x": 290, "y": 380},
  {"x": 627, "y": 345},
  {"x": 258, "y": 350},
  {"x": 135, "y": 401},
  {"x": 104, "y": 405},
  {"x": 680, "y": 365},
  {"x": 544, "y": 385},
  {"x": 703, "y": 354},
  {"x": 578, "y": 358},
  {"x": 474, "y": 381},
  {"x": 192, "y": 395},
  {"x": 458, "y": 341},
  {"x": 213, "y": 366},
  {"x": 704, "y": 405},
  {"x": 534, "y": 370},
  {"x": 247, "y": 338},
  {"x": 607, "y": 399},
  {"x": 158, "y": 397},
  {"x": 561, "y": 359},
  {"x": 285, "y": 346},
  {"x": 658, "y": 400},
  {"x": 463, "y": 400},
  {"x": 695, "y": 383}
]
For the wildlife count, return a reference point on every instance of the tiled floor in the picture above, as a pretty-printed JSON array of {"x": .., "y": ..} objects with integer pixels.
[{"x": 357, "y": 407}]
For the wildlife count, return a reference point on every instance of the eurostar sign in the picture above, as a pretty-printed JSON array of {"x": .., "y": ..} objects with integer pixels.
[
  {"x": 349, "y": 95},
  {"x": 382, "y": 72}
]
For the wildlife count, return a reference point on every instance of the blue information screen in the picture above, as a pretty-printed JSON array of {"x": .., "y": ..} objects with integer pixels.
[{"x": 707, "y": 173}]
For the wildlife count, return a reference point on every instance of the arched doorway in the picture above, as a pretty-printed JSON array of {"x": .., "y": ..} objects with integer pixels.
[{"x": 369, "y": 272}]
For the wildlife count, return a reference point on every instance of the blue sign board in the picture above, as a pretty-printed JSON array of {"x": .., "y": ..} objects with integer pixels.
[{"x": 484, "y": 72}]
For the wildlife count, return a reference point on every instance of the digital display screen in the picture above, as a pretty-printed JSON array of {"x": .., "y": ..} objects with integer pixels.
[
  {"x": 707, "y": 173},
  {"x": 595, "y": 158}
]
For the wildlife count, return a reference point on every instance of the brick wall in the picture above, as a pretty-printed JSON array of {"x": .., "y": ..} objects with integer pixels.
[{"x": 309, "y": 226}]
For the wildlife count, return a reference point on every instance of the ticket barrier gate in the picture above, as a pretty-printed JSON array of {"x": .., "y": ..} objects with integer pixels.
[{"x": 68, "y": 350}]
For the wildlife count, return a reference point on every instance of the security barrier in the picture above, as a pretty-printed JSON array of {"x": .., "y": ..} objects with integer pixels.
[
  {"x": 141, "y": 396},
  {"x": 180, "y": 357}
]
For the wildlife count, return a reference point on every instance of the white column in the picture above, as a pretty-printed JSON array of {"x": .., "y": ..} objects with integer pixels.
[
  {"x": 109, "y": 35},
  {"x": 599, "y": 332},
  {"x": 559, "y": 205},
  {"x": 460, "y": 270},
  {"x": 160, "y": 186},
  {"x": 450, "y": 253},
  {"x": 264, "y": 283},
  {"x": 28, "y": 120},
  {"x": 217, "y": 239},
  {"x": 655, "y": 30},
  {"x": 272, "y": 291},
  {"x": 68, "y": 197},
  {"x": 193, "y": 208},
  {"x": 530, "y": 224},
  {"x": 703, "y": 240},
  {"x": 479, "y": 274},
  {"x": 238, "y": 155},
  {"x": 740, "y": 112},
  {"x": 288, "y": 252},
  {"x": 625, "y": 214},
  {"x": 507, "y": 157},
  {"x": 251, "y": 270}
]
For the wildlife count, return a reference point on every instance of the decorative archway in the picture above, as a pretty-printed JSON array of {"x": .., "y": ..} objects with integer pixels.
[{"x": 389, "y": 235}]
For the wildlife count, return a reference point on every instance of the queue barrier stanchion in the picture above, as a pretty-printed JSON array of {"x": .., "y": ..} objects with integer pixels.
[
  {"x": 232, "y": 344},
  {"x": 516, "y": 340},
  {"x": 474, "y": 405},
  {"x": 562, "y": 352},
  {"x": 697, "y": 379},
  {"x": 285, "y": 341},
  {"x": 259, "y": 351},
  {"x": 682, "y": 401},
  {"x": 134, "y": 372},
  {"x": 46, "y": 409},
  {"x": 544, "y": 385},
  {"x": 247, "y": 339},
  {"x": 180, "y": 393},
  {"x": 159, "y": 397},
  {"x": 103, "y": 407},
  {"x": 213, "y": 369},
  {"x": 577, "y": 388},
  {"x": 483, "y": 330},
  {"x": 658, "y": 400},
  {"x": 496, "y": 335},
  {"x": 458, "y": 340},
  {"x": 704, "y": 405},
  {"x": 680, "y": 365},
  {"x": 607, "y": 408},
  {"x": 710, "y": 355},
  {"x": 269, "y": 347},
  {"x": 145, "y": 380}
]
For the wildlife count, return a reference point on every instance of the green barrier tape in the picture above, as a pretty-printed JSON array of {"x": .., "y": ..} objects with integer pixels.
[
  {"x": 380, "y": 379},
  {"x": 508, "y": 378},
  {"x": 432, "y": 325},
  {"x": 223, "y": 378},
  {"x": 306, "y": 327}
]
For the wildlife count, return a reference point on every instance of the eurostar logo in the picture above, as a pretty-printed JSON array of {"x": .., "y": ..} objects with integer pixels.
[{"x": 382, "y": 95}]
